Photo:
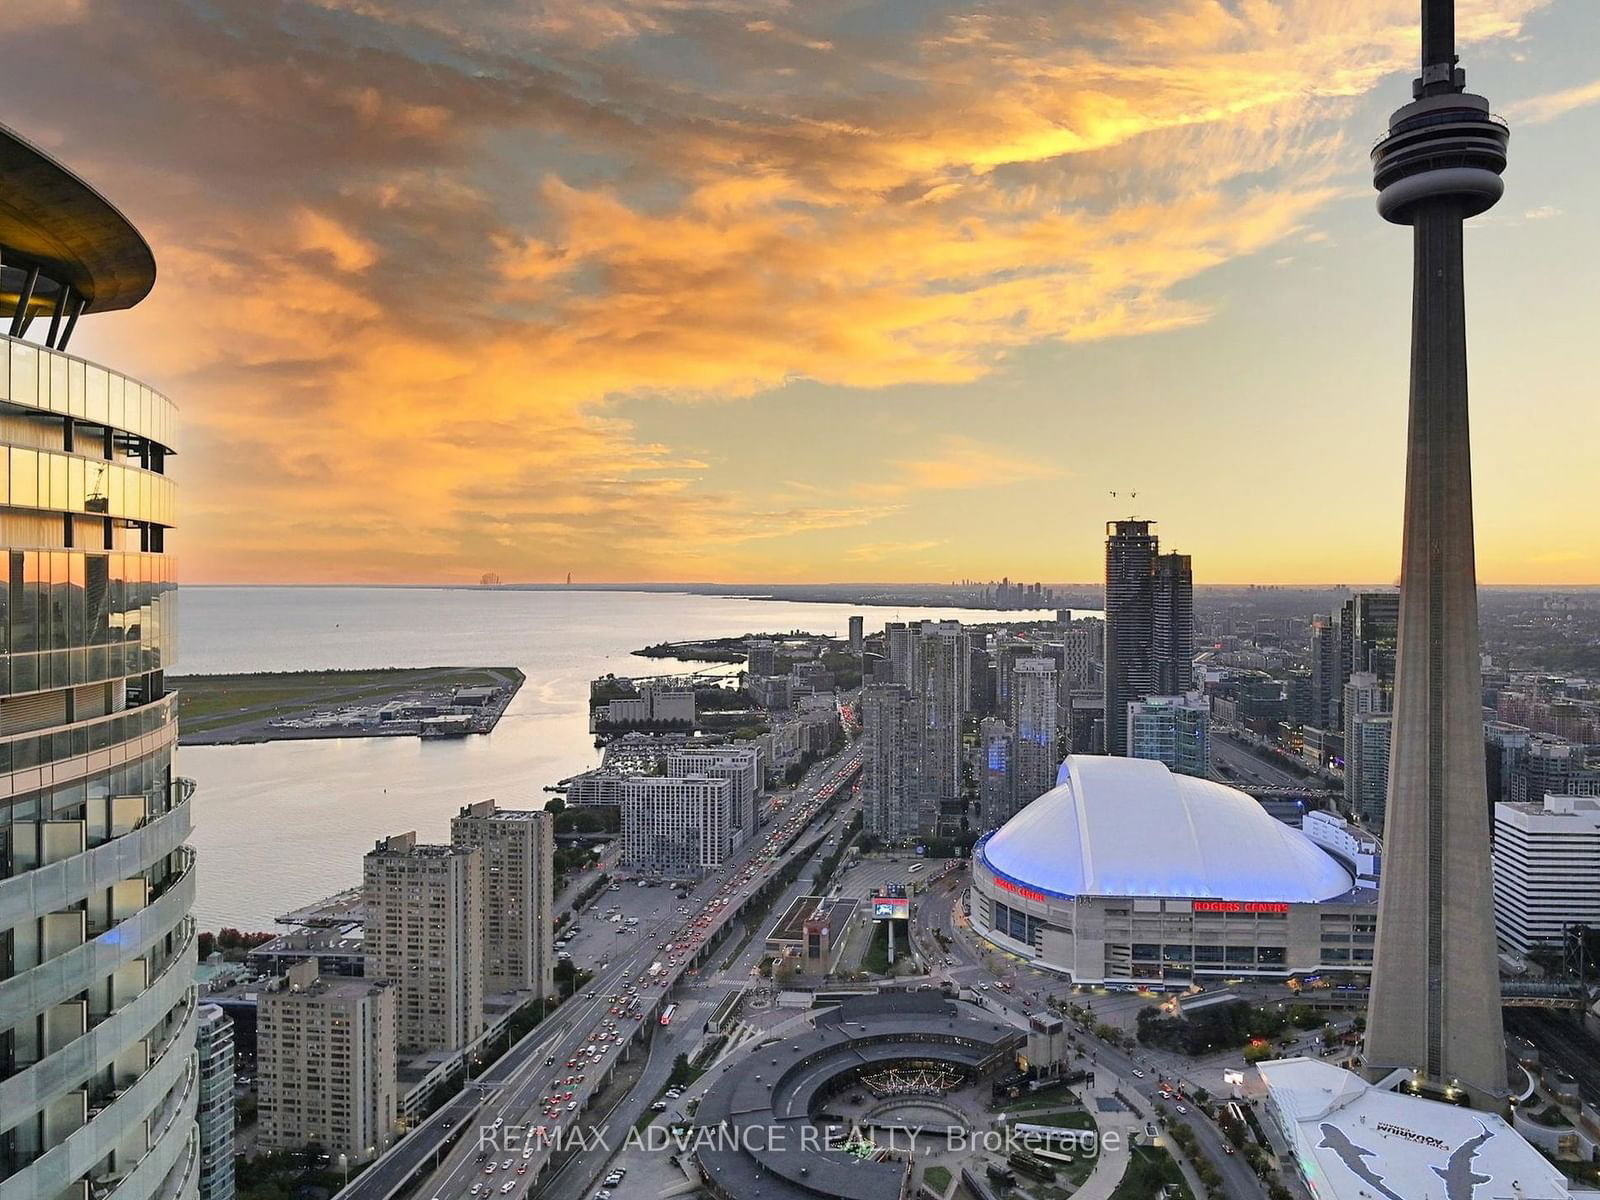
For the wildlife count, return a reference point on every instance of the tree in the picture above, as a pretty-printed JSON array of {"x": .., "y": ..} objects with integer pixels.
[
  {"x": 681, "y": 1072},
  {"x": 1303, "y": 1016}
]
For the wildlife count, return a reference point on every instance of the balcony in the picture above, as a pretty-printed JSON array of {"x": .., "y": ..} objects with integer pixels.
[
  {"x": 60, "y": 885},
  {"x": 168, "y": 1148},
  {"x": 82, "y": 1150},
  {"x": 72, "y": 1066},
  {"x": 33, "y": 991}
]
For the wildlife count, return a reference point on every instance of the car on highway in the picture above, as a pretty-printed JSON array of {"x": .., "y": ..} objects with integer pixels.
[{"x": 505, "y": 1188}]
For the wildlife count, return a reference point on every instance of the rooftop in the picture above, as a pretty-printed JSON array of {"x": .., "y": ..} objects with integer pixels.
[
  {"x": 1553, "y": 814},
  {"x": 1130, "y": 827},
  {"x": 1356, "y": 1141},
  {"x": 52, "y": 220}
]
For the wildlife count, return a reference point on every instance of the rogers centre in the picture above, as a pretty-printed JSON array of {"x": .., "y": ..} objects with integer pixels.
[{"x": 1125, "y": 873}]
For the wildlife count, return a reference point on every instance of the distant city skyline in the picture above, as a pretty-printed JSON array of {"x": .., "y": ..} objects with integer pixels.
[{"x": 650, "y": 291}]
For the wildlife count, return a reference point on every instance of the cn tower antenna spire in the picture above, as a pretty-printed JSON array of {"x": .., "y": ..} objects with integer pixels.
[{"x": 1439, "y": 71}]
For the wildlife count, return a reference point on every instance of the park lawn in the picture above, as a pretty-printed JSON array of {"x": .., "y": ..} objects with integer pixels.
[
  {"x": 1063, "y": 1120},
  {"x": 1059, "y": 1098},
  {"x": 937, "y": 1177}
]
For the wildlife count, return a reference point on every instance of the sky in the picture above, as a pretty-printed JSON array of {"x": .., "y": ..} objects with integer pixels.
[{"x": 822, "y": 290}]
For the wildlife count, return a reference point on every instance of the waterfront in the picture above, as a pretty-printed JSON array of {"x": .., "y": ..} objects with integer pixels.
[{"x": 282, "y": 823}]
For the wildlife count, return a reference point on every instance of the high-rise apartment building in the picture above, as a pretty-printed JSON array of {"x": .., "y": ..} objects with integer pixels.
[
  {"x": 1327, "y": 678},
  {"x": 1172, "y": 624},
  {"x": 97, "y": 949},
  {"x": 857, "y": 634},
  {"x": 1366, "y": 766},
  {"x": 1034, "y": 720},
  {"x": 740, "y": 765},
  {"x": 939, "y": 680},
  {"x": 517, "y": 850},
  {"x": 679, "y": 827},
  {"x": 1149, "y": 627},
  {"x": 995, "y": 791},
  {"x": 891, "y": 720},
  {"x": 325, "y": 1064},
  {"x": 981, "y": 681},
  {"x": 1504, "y": 745},
  {"x": 216, "y": 1112},
  {"x": 1077, "y": 652},
  {"x": 1546, "y": 766},
  {"x": 899, "y": 640},
  {"x": 761, "y": 658},
  {"x": 424, "y": 934},
  {"x": 1546, "y": 870},
  {"x": 1086, "y": 721},
  {"x": 1369, "y": 633},
  {"x": 1364, "y": 697},
  {"x": 1008, "y": 650},
  {"x": 1175, "y": 730}
]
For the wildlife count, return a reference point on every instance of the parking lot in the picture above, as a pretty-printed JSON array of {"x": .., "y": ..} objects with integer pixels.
[{"x": 600, "y": 939}]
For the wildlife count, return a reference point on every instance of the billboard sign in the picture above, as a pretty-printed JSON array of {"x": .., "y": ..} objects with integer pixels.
[{"x": 891, "y": 908}]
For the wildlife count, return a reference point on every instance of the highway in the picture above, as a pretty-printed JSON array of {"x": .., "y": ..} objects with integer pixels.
[
  {"x": 697, "y": 998},
  {"x": 1252, "y": 768},
  {"x": 514, "y": 1093}
]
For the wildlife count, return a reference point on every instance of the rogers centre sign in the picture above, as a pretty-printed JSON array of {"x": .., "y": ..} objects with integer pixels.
[
  {"x": 1005, "y": 885},
  {"x": 1240, "y": 906}
]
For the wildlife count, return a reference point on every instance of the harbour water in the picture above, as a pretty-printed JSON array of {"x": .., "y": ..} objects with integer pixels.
[{"x": 282, "y": 823}]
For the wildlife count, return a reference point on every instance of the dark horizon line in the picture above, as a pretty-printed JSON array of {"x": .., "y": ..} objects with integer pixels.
[{"x": 680, "y": 585}]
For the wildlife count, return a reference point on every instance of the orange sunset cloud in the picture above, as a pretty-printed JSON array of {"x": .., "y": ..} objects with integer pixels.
[{"x": 454, "y": 288}]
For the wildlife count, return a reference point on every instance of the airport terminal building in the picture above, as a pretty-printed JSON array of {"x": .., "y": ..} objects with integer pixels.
[{"x": 1125, "y": 873}]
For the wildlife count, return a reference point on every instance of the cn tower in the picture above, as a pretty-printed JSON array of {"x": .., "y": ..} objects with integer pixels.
[{"x": 1435, "y": 1010}]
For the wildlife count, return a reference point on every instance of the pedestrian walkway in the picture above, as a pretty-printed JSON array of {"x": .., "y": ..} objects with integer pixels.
[
  {"x": 739, "y": 1036},
  {"x": 1111, "y": 1164}
]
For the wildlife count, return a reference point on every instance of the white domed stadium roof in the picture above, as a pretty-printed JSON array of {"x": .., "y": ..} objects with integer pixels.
[{"x": 1130, "y": 827}]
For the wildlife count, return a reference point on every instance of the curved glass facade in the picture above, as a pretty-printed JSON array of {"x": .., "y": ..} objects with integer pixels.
[{"x": 99, "y": 1085}]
